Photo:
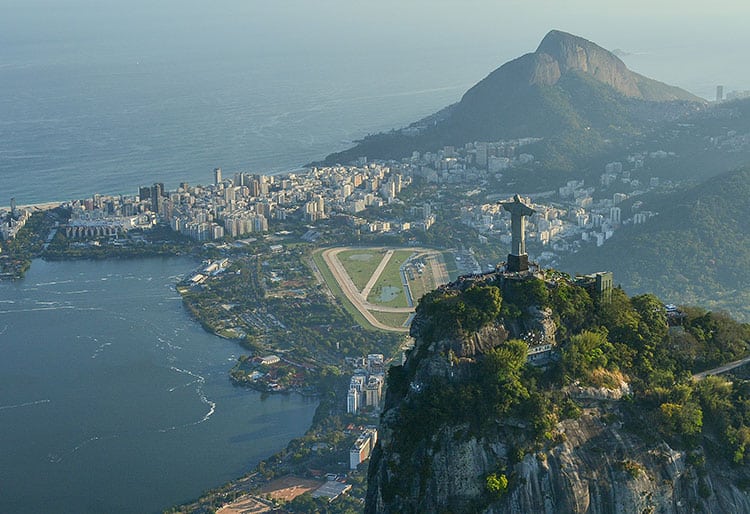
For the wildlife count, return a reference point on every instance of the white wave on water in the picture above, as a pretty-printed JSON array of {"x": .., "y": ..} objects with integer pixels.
[
  {"x": 187, "y": 372},
  {"x": 53, "y": 283},
  {"x": 188, "y": 384},
  {"x": 56, "y": 457},
  {"x": 206, "y": 417},
  {"x": 99, "y": 349},
  {"x": 169, "y": 344},
  {"x": 199, "y": 389},
  {"x": 27, "y": 404},
  {"x": 7, "y": 301},
  {"x": 211, "y": 410},
  {"x": 57, "y": 308}
]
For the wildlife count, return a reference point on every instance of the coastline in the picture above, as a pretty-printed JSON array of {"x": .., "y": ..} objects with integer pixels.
[{"x": 43, "y": 206}]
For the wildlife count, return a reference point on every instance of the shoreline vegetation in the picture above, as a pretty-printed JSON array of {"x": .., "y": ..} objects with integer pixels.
[{"x": 300, "y": 339}]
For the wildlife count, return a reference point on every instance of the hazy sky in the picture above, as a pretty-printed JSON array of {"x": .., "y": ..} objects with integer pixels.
[{"x": 690, "y": 43}]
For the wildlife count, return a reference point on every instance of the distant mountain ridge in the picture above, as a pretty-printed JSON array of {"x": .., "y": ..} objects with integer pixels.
[
  {"x": 560, "y": 53},
  {"x": 570, "y": 91}
]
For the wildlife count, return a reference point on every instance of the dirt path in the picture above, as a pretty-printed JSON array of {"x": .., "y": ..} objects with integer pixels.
[
  {"x": 376, "y": 274},
  {"x": 359, "y": 299},
  {"x": 350, "y": 290}
]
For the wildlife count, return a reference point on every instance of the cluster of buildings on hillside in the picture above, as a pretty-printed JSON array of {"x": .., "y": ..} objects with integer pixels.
[
  {"x": 492, "y": 157},
  {"x": 366, "y": 384},
  {"x": 12, "y": 221},
  {"x": 250, "y": 203},
  {"x": 731, "y": 95},
  {"x": 580, "y": 214}
]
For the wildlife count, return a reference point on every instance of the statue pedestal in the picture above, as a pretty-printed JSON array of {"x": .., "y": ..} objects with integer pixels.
[{"x": 517, "y": 263}]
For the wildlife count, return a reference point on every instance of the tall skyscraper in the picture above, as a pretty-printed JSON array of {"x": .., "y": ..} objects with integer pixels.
[
  {"x": 144, "y": 193},
  {"x": 217, "y": 176},
  {"x": 157, "y": 191},
  {"x": 719, "y": 93}
]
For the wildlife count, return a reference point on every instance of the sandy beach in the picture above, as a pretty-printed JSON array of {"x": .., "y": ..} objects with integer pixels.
[{"x": 34, "y": 206}]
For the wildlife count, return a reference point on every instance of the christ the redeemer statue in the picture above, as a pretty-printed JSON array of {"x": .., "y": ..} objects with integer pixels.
[{"x": 517, "y": 258}]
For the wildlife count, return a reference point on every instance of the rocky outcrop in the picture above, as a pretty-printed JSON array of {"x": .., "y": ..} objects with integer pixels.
[
  {"x": 594, "y": 464},
  {"x": 599, "y": 468},
  {"x": 561, "y": 53}
]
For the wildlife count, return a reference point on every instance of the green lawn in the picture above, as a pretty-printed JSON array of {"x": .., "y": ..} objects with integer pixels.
[
  {"x": 388, "y": 290},
  {"x": 338, "y": 293},
  {"x": 421, "y": 283},
  {"x": 391, "y": 319},
  {"x": 450, "y": 265},
  {"x": 360, "y": 264}
]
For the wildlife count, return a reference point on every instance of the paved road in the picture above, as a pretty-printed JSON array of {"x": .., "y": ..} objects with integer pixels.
[{"x": 721, "y": 369}]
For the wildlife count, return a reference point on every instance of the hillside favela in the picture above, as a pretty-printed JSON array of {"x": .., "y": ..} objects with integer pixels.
[{"x": 346, "y": 258}]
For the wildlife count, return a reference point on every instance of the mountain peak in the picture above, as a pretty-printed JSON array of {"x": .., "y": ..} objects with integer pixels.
[
  {"x": 558, "y": 38},
  {"x": 569, "y": 84},
  {"x": 560, "y": 53}
]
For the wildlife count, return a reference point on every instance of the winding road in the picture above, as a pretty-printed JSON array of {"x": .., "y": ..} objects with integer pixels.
[{"x": 721, "y": 369}]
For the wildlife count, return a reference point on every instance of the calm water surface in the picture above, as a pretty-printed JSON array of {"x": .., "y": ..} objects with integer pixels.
[{"x": 113, "y": 400}]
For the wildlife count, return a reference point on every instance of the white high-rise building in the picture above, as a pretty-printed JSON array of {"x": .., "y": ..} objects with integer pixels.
[
  {"x": 352, "y": 401},
  {"x": 615, "y": 214}
]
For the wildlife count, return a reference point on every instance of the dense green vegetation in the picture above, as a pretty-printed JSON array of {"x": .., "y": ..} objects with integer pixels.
[
  {"x": 697, "y": 250},
  {"x": 450, "y": 311},
  {"x": 625, "y": 342},
  {"x": 16, "y": 254},
  {"x": 160, "y": 240},
  {"x": 277, "y": 304}
]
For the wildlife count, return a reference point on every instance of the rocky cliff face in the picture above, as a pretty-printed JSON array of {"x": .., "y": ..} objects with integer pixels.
[
  {"x": 561, "y": 53},
  {"x": 590, "y": 464}
]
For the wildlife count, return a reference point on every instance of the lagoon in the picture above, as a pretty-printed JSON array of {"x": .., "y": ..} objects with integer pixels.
[{"x": 112, "y": 399}]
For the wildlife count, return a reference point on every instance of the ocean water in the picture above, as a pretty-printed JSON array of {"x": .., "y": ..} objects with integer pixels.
[
  {"x": 108, "y": 102},
  {"x": 101, "y": 97},
  {"x": 113, "y": 400}
]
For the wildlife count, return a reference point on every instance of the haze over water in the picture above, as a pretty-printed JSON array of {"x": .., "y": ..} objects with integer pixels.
[{"x": 106, "y": 96}]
